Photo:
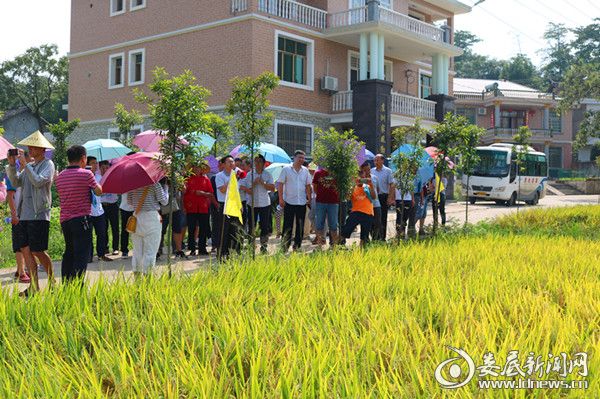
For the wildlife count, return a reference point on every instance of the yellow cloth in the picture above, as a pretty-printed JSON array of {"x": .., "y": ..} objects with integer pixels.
[
  {"x": 233, "y": 202},
  {"x": 441, "y": 184}
]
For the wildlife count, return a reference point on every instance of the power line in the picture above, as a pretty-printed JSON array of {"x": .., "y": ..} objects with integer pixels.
[
  {"x": 512, "y": 26},
  {"x": 593, "y": 5},
  {"x": 562, "y": 14},
  {"x": 535, "y": 12},
  {"x": 572, "y": 4}
]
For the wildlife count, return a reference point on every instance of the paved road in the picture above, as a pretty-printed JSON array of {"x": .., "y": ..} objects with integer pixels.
[{"x": 455, "y": 213}]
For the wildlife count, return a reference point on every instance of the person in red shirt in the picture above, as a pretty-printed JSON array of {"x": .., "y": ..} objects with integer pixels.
[
  {"x": 197, "y": 198},
  {"x": 327, "y": 204}
]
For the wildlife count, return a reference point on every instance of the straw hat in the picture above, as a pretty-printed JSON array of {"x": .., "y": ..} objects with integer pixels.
[{"x": 36, "y": 139}]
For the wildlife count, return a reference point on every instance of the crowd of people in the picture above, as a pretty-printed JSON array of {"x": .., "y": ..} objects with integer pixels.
[{"x": 304, "y": 197}]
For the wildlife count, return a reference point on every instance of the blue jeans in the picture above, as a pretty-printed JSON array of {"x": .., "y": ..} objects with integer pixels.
[{"x": 329, "y": 211}]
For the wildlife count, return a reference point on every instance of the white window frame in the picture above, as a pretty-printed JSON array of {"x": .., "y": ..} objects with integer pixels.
[
  {"x": 110, "y": 131},
  {"x": 115, "y": 130},
  {"x": 115, "y": 13},
  {"x": 427, "y": 73},
  {"x": 110, "y": 71},
  {"x": 351, "y": 4},
  {"x": 356, "y": 54},
  {"x": 310, "y": 55},
  {"x": 131, "y": 66},
  {"x": 133, "y": 7},
  {"x": 278, "y": 122}
]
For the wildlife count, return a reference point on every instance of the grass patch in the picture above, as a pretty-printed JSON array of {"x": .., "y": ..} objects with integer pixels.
[{"x": 352, "y": 324}]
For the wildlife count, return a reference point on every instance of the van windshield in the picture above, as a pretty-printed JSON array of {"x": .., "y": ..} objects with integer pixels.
[{"x": 491, "y": 164}]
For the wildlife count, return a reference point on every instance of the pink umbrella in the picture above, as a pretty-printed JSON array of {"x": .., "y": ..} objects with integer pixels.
[
  {"x": 4, "y": 147},
  {"x": 150, "y": 140},
  {"x": 132, "y": 172},
  {"x": 434, "y": 152}
]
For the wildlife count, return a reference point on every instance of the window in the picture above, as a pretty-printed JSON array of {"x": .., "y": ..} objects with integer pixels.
[
  {"x": 136, "y": 66},
  {"x": 555, "y": 157},
  {"x": 115, "y": 135},
  {"x": 116, "y": 71},
  {"x": 535, "y": 165},
  {"x": 361, "y": 3},
  {"x": 512, "y": 119},
  {"x": 137, "y": 4},
  {"x": 354, "y": 68},
  {"x": 292, "y": 137},
  {"x": 555, "y": 121},
  {"x": 468, "y": 113},
  {"x": 425, "y": 85},
  {"x": 294, "y": 60},
  {"x": 117, "y": 7}
]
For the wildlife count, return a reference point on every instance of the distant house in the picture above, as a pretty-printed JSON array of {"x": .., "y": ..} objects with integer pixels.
[
  {"x": 586, "y": 156},
  {"x": 19, "y": 123}
]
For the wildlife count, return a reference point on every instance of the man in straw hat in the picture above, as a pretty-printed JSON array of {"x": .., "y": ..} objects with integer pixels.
[{"x": 35, "y": 180}]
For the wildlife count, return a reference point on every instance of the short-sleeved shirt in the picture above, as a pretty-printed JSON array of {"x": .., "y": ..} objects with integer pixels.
[
  {"x": 195, "y": 203},
  {"x": 222, "y": 179},
  {"x": 384, "y": 177},
  {"x": 325, "y": 187},
  {"x": 73, "y": 185},
  {"x": 10, "y": 187},
  {"x": 97, "y": 209},
  {"x": 294, "y": 184},
  {"x": 360, "y": 201},
  {"x": 409, "y": 196},
  {"x": 261, "y": 195},
  {"x": 376, "y": 203}
]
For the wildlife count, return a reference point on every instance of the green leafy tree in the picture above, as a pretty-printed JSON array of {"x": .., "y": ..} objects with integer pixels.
[
  {"x": 520, "y": 69},
  {"x": 125, "y": 121},
  {"x": 472, "y": 65},
  {"x": 557, "y": 55},
  {"x": 38, "y": 79},
  {"x": 177, "y": 108},
  {"x": 1, "y": 128},
  {"x": 586, "y": 45},
  {"x": 466, "y": 150},
  {"x": 249, "y": 106},
  {"x": 61, "y": 131},
  {"x": 337, "y": 152},
  {"x": 220, "y": 129},
  {"x": 521, "y": 145},
  {"x": 406, "y": 165}
]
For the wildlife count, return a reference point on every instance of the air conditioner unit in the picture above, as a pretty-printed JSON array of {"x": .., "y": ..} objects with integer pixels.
[
  {"x": 481, "y": 111},
  {"x": 329, "y": 83}
]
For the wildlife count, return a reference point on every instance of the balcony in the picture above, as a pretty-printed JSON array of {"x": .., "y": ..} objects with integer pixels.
[
  {"x": 402, "y": 104},
  {"x": 406, "y": 38},
  {"x": 508, "y": 133},
  {"x": 516, "y": 97}
]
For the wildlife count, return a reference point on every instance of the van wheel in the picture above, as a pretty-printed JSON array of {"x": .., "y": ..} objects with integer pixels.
[
  {"x": 513, "y": 200},
  {"x": 472, "y": 200},
  {"x": 500, "y": 202},
  {"x": 536, "y": 198}
]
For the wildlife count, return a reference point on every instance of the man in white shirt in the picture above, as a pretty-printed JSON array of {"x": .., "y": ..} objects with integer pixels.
[
  {"x": 98, "y": 218},
  {"x": 257, "y": 185},
  {"x": 227, "y": 226},
  {"x": 295, "y": 191},
  {"x": 385, "y": 188}
]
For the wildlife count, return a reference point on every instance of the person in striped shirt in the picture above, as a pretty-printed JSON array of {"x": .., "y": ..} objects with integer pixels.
[{"x": 73, "y": 185}]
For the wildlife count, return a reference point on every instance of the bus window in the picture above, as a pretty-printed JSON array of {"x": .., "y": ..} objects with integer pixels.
[{"x": 513, "y": 172}]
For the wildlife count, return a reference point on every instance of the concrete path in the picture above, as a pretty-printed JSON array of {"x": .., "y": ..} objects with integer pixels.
[{"x": 455, "y": 213}]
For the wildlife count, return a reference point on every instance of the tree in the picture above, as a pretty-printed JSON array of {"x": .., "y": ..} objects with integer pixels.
[
  {"x": 125, "y": 121},
  {"x": 520, "y": 69},
  {"x": 220, "y": 129},
  {"x": 521, "y": 145},
  {"x": 472, "y": 65},
  {"x": 406, "y": 165},
  {"x": 586, "y": 46},
  {"x": 177, "y": 108},
  {"x": 249, "y": 106},
  {"x": 1, "y": 128},
  {"x": 557, "y": 55},
  {"x": 38, "y": 79},
  {"x": 61, "y": 131},
  {"x": 468, "y": 139},
  {"x": 337, "y": 152}
]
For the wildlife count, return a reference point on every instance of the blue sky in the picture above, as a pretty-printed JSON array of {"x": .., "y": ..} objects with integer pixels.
[{"x": 506, "y": 26}]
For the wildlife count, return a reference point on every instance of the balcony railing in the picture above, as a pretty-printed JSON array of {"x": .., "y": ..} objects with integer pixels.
[
  {"x": 238, "y": 6},
  {"x": 294, "y": 11},
  {"x": 409, "y": 24},
  {"x": 506, "y": 131},
  {"x": 401, "y": 104},
  {"x": 525, "y": 94}
]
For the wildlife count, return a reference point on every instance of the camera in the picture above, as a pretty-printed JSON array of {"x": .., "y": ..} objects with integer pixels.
[{"x": 13, "y": 152}]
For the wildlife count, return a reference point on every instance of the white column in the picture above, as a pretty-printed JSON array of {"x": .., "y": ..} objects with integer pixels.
[
  {"x": 374, "y": 48},
  {"x": 497, "y": 114},
  {"x": 364, "y": 53},
  {"x": 381, "y": 70},
  {"x": 445, "y": 73},
  {"x": 546, "y": 119},
  {"x": 436, "y": 66}
]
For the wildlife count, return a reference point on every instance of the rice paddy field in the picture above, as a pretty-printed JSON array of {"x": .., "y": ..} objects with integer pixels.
[{"x": 371, "y": 323}]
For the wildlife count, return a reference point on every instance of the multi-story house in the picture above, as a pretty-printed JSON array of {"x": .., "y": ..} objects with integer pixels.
[
  {"x": 501, "y": 107},
  {"x": 585, "y": 159},
  {"x": 370, "y": 65}
]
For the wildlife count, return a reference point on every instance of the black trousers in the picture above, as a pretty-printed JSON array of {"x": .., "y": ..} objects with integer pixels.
[
  {"x": 408, "y": 215},
  {"x": 214, "y": 231},
  {"x": 99, "y": 224},
  {"x": 383, "y": 199},
  {"x": 124, "y": 233},
  {"x": 229, "y": 229},
  {"x": 442, "y": 207},
  {"x": 377, "y": 226},
  {"x": 293, "y": 213},
  {"x": 201, "y": 220},
  {"x": 111, "y": 211},
  {"x": 354, "y": 219},
  {"x": 78, "y": 241},
  {"x": 263, "y": 217}
]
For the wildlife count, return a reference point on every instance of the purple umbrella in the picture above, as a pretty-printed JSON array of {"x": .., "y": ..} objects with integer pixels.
[
  {"x": 213, "y": 163},
  {"x": 361, "y": 157},
  {"x": 49, "y": 153}
]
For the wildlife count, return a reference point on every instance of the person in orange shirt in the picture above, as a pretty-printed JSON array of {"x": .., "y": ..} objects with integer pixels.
[{"x": 362, "y": 209}]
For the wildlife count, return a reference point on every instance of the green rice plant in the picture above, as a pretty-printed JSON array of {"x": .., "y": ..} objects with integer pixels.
[{"x": 370, "y": 323}]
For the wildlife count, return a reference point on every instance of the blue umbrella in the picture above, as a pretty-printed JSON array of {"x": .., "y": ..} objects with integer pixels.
[
  {"x": 105, "y": 149},
  {"x": 425, "y": 171},
  {"x": 271, "y": 152},
  {"x": 369, "y": 155},
  {"x": 205, "y": 140}
]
